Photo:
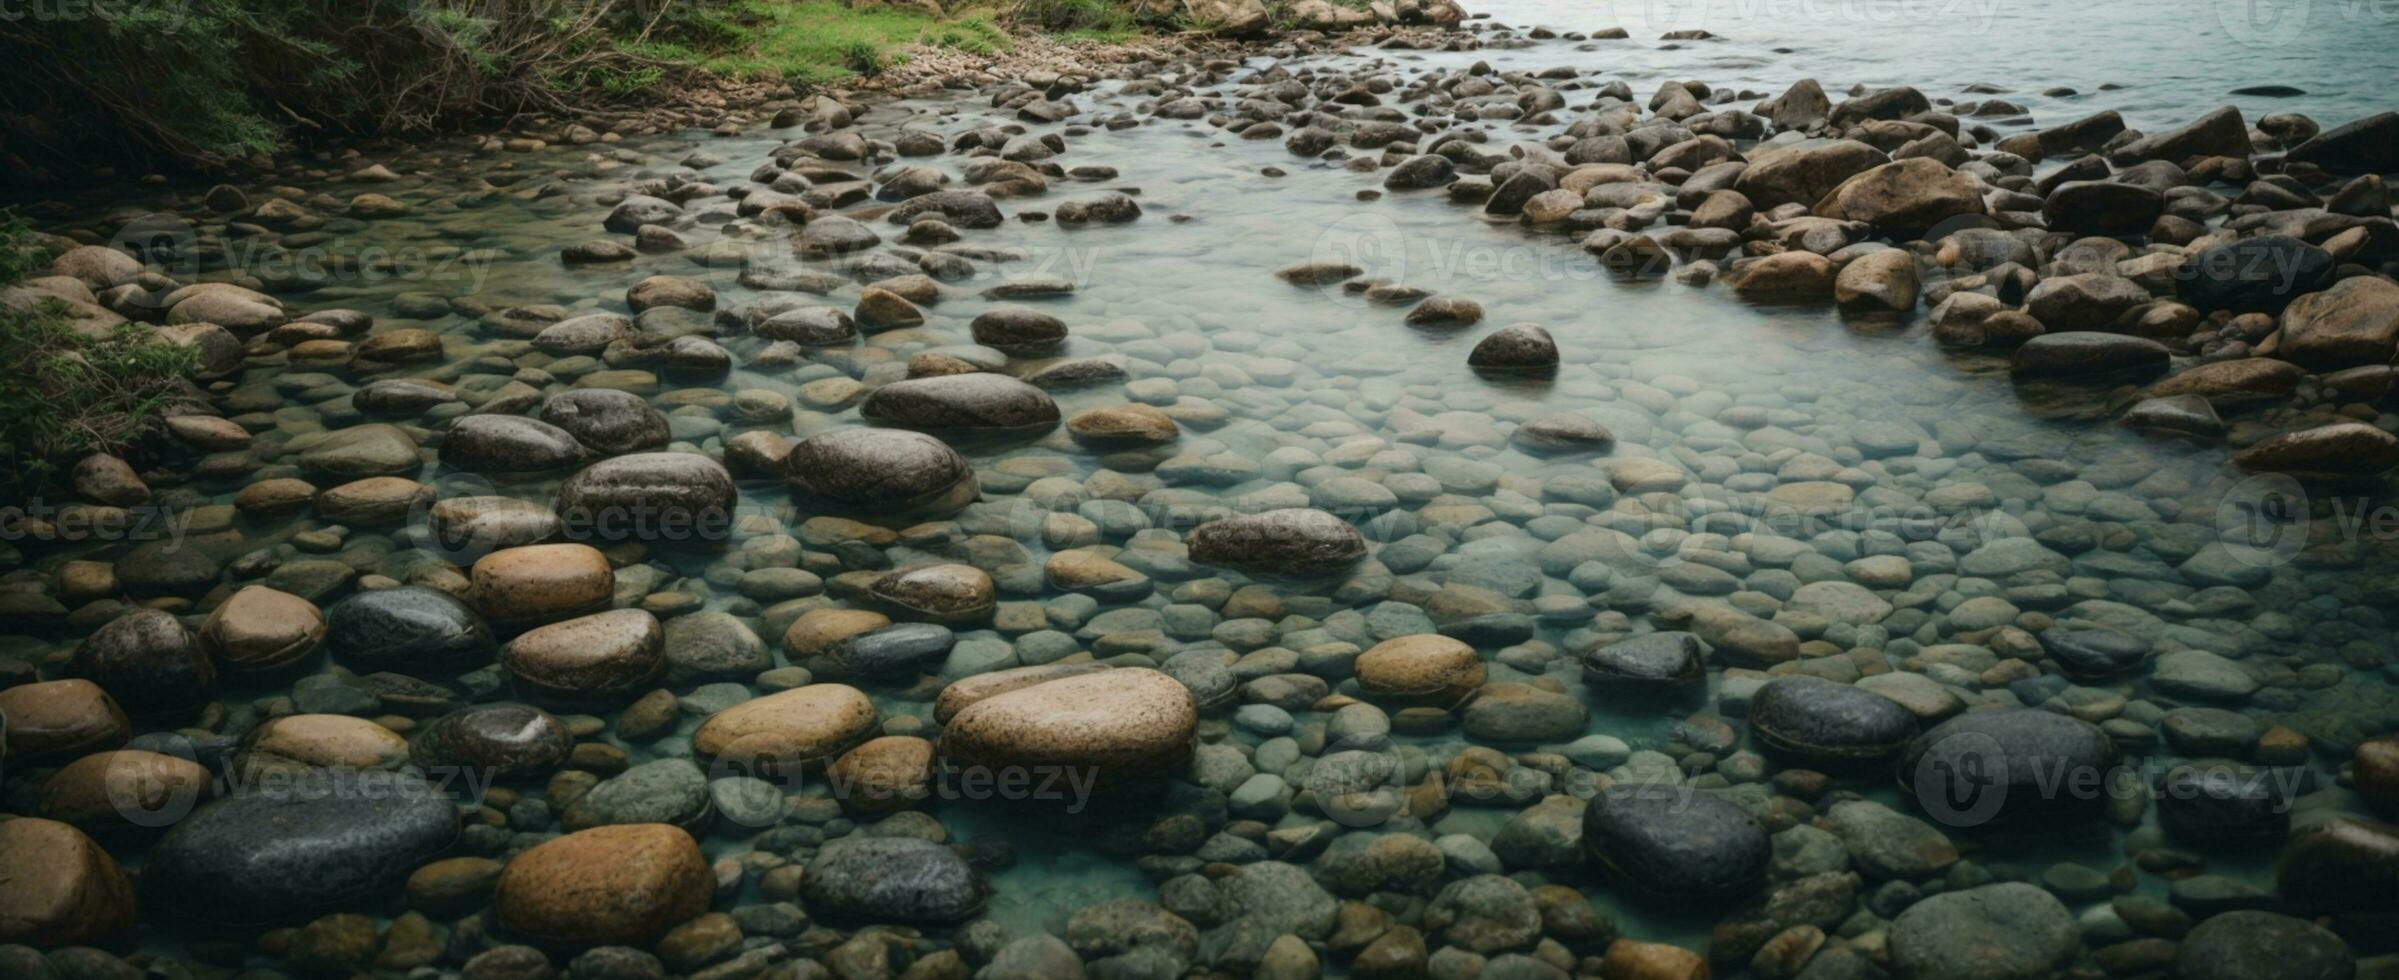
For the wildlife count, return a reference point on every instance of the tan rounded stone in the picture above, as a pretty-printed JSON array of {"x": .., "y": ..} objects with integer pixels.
[
  {"x": 58, "y": 887},
  {"x": 883, "y": 774},
  {"x": 208, "y": 433},
  {"x": 453, "y": 886},
  {"x": 1121, "y": 722},
  {"x": 2375, "y": 768},
  {"x": 619, "y": 885},
  {"x": 57, "y": 720},
  {"x": 1426, "y": 668},
  {"x": 960, "y": 695},
  {"x": 882, "y": 309},
  {"x": 541, "y": 583},
  {"x": 817, "y": 631},
  {"x": 276, "y": 496},
  {"x": 83, "y": 581},
  {"x": 620, "y": 652},
  {"x": 1103, "y": 578},
  {"x": 374, "y": 500},
  {"x": 259, "y": 627},
  {"x": 124, "y": 788},
  {"x": 1123, "y": 425},
  {"x": 321, "y": 741},
  {"x": 947, "y": 592},
  {"x": 804, "y": 727},
  {"x": 1632, "y": 960}
]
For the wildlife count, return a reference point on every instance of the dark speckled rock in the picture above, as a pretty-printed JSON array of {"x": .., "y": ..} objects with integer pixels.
[
  {"x": 2262, "y": 946},
  {"x": 898, "y": 649},
  {"x": 880, "y": 471},
  {"x": 407, "y": 629},
  {"x": 149, "y": 663},
  {"x": 509, "y": 741},
  {"x": 170, "y": 566},
  {"x": 891, "y": 879},
  {"x": 2080, "y": 354},
  {"x": 1298, "y": 541},
  {"x": 961, "y": 402},
  {"x": 1647, "y": 662},
  {"x": 2208, "y": 805},
  {"x": 607, "y": 420},
  {"x": 508, "y": 444},
  {"x": 2343, "y": 865},
  {"x": 1827, "y": 725},
  {"x": 1018, "y": 329},
  {"x": 2262, "y": 274},
  {"x": 661, "y": 498},
  {"x": 2009, "y": 764},
  {"x": 323, "y": 841},
  {"x": 1675, "y": 846},
  {"x": 2095, "y": 653},
  {"x": 1523, "y": 347}
]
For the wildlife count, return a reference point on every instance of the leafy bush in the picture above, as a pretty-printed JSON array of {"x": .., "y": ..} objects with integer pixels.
[
  {"x": 1078, "y": 17},
  {"x": 70, "y": 393},
  {"x": 210, "y": 81}
]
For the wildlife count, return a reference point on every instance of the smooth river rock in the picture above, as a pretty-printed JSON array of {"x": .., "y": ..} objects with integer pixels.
[
  {"x": 328, "y": 840},
  {"x": 618, "y": 885},
  {"x": 906, "y": 880},
  {"x": 63, "y": 888},
  {"x": 1827, "y": 725},
  {"x": 607, "y": 656},
  {"x": 148, "y": 662},
  {"x": 802, "y": 728},
  {"x": 409, "y": 629},
  {"x": 1297, "y": 541},
  {"x": 1675, "y": 846},
  {"x": 2009, "y": 765},
  {"x": 1125, "y": 722},
  {"x": 660, "y": 498},
  {"x": 880, "y": 472},
  {"x": 979, "y": 402}
]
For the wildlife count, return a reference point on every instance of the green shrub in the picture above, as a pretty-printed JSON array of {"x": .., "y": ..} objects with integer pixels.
[
  {"x": 1089, "y": 18},
  {"x": 70, "y": 393},
  {"x": 210, "y": 81},
  {"x": 808, "y": 42}
]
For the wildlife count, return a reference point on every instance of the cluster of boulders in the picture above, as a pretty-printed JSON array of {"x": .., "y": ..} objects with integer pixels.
[{"x": 2248, "y": 265}]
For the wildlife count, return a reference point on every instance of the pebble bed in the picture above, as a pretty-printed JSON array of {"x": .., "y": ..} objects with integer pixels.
[{"x": 1408, "y": 506}]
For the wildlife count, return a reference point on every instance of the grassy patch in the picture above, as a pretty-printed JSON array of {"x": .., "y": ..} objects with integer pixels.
[
  {"x": 69, "y": 393},
  {"x": 814, "y": 41},
  {"x": 1107, "y": 20}
]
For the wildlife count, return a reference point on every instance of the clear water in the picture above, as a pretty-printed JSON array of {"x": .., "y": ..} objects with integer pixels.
[
  {"x": 2159, "y": 62},
  {"x": 1674, "y": 370}
]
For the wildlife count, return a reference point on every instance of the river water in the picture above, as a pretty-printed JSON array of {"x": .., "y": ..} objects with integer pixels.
[
  {"x": 2159, "y": 62},
  {"x": 1298, "y": 395}
]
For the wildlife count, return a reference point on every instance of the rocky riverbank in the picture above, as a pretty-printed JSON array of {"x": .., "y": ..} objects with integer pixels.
[{"x": 739, "y": 505}]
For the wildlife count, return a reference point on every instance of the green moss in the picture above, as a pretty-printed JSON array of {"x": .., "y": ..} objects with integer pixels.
[{"x": 814, "y": 41}]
